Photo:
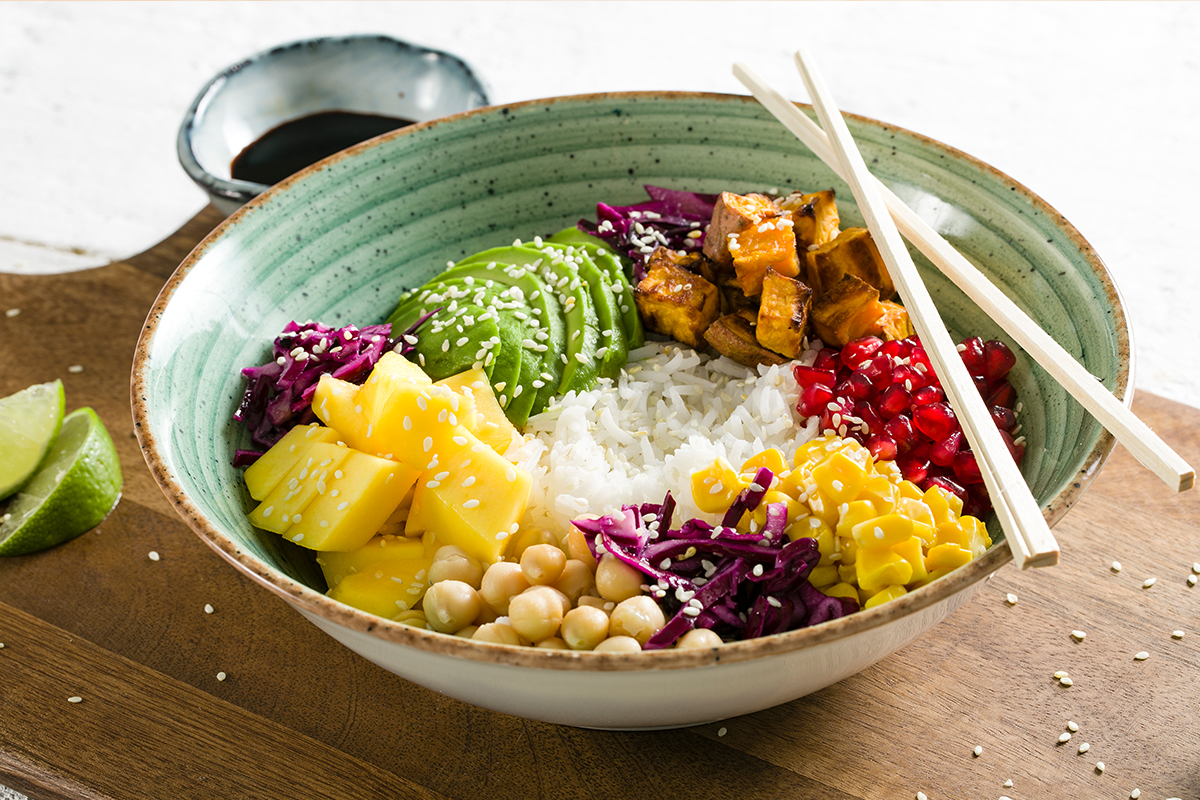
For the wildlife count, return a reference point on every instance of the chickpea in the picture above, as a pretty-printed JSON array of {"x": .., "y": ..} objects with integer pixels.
[
  {"x": 577, "y": 548},
  {"x": 502, "y": 582},
  {"x": 639, "y": 617},
  {"x": 497, "y": 633},
  {"x": 543, "y": 564},
  {"x": 414, "y": 617},
  {"x": 453, "y": 564},
  {"x": 596, "y": 602},
  {"x": 536, "y": 614},
  {"x": 467, "y": 632},
  {"x": 575, "y": 581},
  {"x": 553, "y": 643},
  {"x": 616, "y": 580},
  {"x": 451, "y": 605},
  {"x": 527, "y": 538},
  {"x": 618, "y": 644},
  {"x": 584, "y": 627},
  {"x": 699, "y": 638},
  {"x": 486, "y": 614}
]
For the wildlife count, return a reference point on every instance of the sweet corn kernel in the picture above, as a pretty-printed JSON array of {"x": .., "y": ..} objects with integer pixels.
[
  {"x": 857, "y": 512},
  {"x": 771, "y": 458},
  {"x": 848, "y": 573},
  {"x": 849, "y": 549},
  {"x": 882, "y": 532},
  {"x": 808, "y": 528},
  {"x": 910, "y": 489},
  {"x": 946, "y": 556},
  {"x": 841, "y": 590},
  {"x": 880, "y": 568},
  {"x": 821, "y": 577},
  {"x": 772, "y": 497},
  {"x": 946, "y": 506},
  {"x": 829, "y": 545},
  {"x": 840, "y": 477},
  {"x": 882, "y": 596},
  {"x": 978, "y": 539},
  {"x": 881, "y": 493},
  {"x": 910, "y": 550},
  {"x": 716, "y": 486}
]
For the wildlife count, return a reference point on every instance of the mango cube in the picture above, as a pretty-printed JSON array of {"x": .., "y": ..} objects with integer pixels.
[
  {"x": 857, "y": 512},
  {"x": 808, "y": 528},
  {"x": 879, "y": 568},
  {"x": 882, "y": 596},
  {"x": 715, "y": 487},
  {"x": 841, "y": 590},
  {"x": 840, "y": 477},
  {"x": 946, "y": 556},
  {"x": 821, "y": 577},
  {"x": 490, "y": 424},
  {"x": 269, "y": 470},
  {"x": 386, "y": 589},
  {"x": 911, "y": 551},
  {"x": 882, "y": 533},
  {"x": 284, "y": 506},
  {"x": 771, "y": 458},
  {"x": 337, "y": 565}
]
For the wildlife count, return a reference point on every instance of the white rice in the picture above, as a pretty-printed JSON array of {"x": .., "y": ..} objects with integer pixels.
[{"x": 671, "y": 412}]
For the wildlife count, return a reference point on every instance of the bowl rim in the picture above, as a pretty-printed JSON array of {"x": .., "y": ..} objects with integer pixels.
[
  {"x": 242, "y": 191},
  {"x": 312, "y": 602}
]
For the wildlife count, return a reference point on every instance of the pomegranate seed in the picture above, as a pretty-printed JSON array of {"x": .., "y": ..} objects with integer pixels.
[
  {"x": 857, "y": 387},
  {"x": 814, "y": 399},
  {"x": 913, "y": 468},
  {"x": 1004, "y": 395},
  {"x": 1004, "y": 418},
  {"x": 951, "y": 486},
  {"x": 827, "y": 358},
  {"x": 896, "y": 348},
  {"x": 919, "y": 360},
  {"x": 893, "y": 401},
  {"x": 878, "y": 371},
  {"x": 807, "y": 376},
  {"x": 844, "y": 407},
  {"x": 980, "y": 385},
  {"x": 882, "y": 447},
  {"x": 944, "y": 451},
  {"x": 1017, "y": 450},
  {"x": 977, "y": 504},
  {"x": 999, "y": 360},
  {"x": 900, "y": 431},
  {"x": 908, "y": 377},
  {"x": 966, "y": 468},
  {"x": 935, "y": 420},
  {"x": 860, "y": 350},
  {"x": 866, "y": 412},
  {"x": 973, "y": 356},
  {"x": 926, "y": 395}
]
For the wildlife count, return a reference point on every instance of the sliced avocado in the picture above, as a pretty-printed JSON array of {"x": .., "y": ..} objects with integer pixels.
[
  {"x": 613, "y": 351},
  {"x": 618, "y": 270},
  {"x": 580, "y": 366}
]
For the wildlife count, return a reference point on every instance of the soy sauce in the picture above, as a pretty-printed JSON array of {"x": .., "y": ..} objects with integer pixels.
[{"x": 294, "y": 145}]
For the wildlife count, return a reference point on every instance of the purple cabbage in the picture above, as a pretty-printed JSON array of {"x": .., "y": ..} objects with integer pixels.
[
  {"x": 667, "y": 220},
  {"x": 740, "y": 585},
  {"x": 279, "y": 394}
]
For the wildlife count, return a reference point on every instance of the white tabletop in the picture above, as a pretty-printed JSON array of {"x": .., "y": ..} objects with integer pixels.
[{"x": 1095, "y": 107}]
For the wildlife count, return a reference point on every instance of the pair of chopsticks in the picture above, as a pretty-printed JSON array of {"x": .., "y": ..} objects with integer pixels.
[{"x": 887, "y": 216}]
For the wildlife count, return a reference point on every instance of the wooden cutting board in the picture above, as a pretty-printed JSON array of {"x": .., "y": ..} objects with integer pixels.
[{"x": 297, "y": 715}]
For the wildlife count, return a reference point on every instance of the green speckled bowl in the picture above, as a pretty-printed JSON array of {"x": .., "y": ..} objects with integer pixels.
[{"x": 340, "y": 241}]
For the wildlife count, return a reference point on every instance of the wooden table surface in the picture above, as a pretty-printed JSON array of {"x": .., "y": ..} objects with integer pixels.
[{"x": 300, "y": 716}]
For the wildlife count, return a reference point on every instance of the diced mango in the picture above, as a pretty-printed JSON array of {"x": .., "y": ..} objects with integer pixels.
[
  {"x": 978, "y": 538},
  {"x": 857, "y": 512},
  {"x": 946, "y": 556},
  {"x": 284, "y": 506},
  {"x": 841, "y": 590},
  {"x": 911, "y": 551},
  {"x": 392, "y": 370},
  {"x": 883, "y": 532},
  {"x": 772, "y": 498},
  {"x": 829, "y": 545},
  {"x": 809, "y": 528},
  {"x": 879, "y": 568},
  {"x": 821, "y": 577},
  {"x": 335, "y": 403},
  {"x": 883, "y": 595},
  {"x": 387, "y": 588},
  {"x": 357, "y": 499},
  {"x": 910, "y": 490},
  {"x": 882, "y": 493},
  {"x": 715, "y": 487},
  {"x": 931, "y": 577},
  {"x": 337, "y": 565},
  {"x": 849, "y": 549},
  {"x": 945, "y": 506},
  {"x": 473, "y": 499},
  {"x": 840, "y": 477},
  {"x": 491, "y": 425},
  {"x": 849, "y": 573},
  {"x": 265, "y": 474},
  {"x": 771, "y": 458}
]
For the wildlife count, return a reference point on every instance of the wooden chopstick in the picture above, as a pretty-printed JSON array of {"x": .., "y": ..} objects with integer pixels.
[
  {"x": 1025, "y": 529},
  {"x": 1130, "y": 431}
]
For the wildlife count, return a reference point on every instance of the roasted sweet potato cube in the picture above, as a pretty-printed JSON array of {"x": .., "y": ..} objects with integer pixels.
[
  {"x": 852, "y": 253},
  {"x": 815, "y": 218},
  {"x": 783, "y": 314},
  {"x": 673, "y": 301},
  {"x": 733, "y": 298},
  {"x": 893, "y": 321},
  {"x": 734, "y": 214},
  {"x": 733, "y": 336},
  {"x": 846, "y": 312}
]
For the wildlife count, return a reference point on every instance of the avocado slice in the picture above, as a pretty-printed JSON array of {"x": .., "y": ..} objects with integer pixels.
[
  {"x": 618, "y": 271},
  {"x": 613, "y": 350},
  {"x": 580, "y": 366}
]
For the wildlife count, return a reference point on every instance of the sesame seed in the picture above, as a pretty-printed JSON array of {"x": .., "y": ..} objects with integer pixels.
[
  {"x": 1142, "y": 656},
  {"x": 1135, "y": 794},
  {"x": 1010, "y": 598},
  {"x": 1116, "y": 566},
  {"x": 1191, "y": 580},
  {"x": 1146, "y": 584},
  {"x": 1083, "y": 748},
  {"x": 921, "y": 796},
  {"x": 75, "y": 699},
  {"x": 221, "y": 676},
  {"x": 472, "y": 503},
  {"x": 433, "y": 484},
  {"x": 1099, "y": 766},
  {"x": 1078, "y": 635},
  {"x": 208, "y": 609},
  {"x": 298, "y": 537},
  {"x": 267, "y": 511},
  {"x": 428, "y": 443},
  {"x": 337, "y": 473},
  {"x": 469, "y": 482},
  {"x": 459, "y": 440},
  {"x": 722, "y": 731},
  {"x": 12, "y": 312},
  {"x": 511, "y": 474},
  {"x": 1008, "y": 784},
  {"x": 1196, "y": 567},
  {"x": 342, "y": 506},
  {"x": 75, "y": 369},
  {"x": 1177, "y": 635},
  {"x": 1065, "y": 681},
  {"x": 153, "y": 554},
  {"x": 978, "y": 751},
  {"x": 1072, "y": 726},
  {"x": 1064, "y": 737}
]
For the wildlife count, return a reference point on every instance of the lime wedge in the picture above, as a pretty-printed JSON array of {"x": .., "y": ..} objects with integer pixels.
[
  {"x": 29, "y": 423},
  {"x": 76, "y": 487}
]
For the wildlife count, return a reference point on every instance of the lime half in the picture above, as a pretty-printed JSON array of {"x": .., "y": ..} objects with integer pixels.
[
  {"x": 76, "y": 487},
  {"x": 29, "y": 424}
]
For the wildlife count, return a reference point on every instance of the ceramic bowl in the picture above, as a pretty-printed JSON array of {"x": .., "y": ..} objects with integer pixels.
[
  {"x": 340, "y": 241},
  {"x": 365, "y": 74}
]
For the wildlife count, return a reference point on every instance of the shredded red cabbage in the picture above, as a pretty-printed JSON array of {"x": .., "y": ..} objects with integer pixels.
[
  {"x": 740, "y": 585},
  {"x": 279, "y": 394},
  {"x": 666, "y": 220}
]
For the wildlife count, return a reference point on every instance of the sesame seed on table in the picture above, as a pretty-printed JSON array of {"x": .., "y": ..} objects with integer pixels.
[{"x": 109, "y": 676}]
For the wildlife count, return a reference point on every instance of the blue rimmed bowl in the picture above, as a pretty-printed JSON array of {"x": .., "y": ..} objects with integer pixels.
[{"x": 341, "y": 240}]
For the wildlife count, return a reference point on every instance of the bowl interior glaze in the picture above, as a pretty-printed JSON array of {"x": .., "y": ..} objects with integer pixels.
[{"x": 340, "y": 241}]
